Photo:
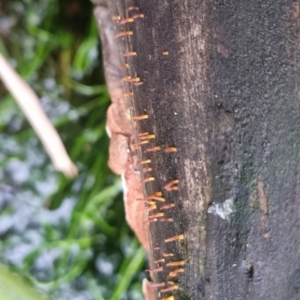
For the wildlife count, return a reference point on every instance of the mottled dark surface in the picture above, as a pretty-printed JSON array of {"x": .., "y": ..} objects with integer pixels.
[
  {"x": 257, "y": 105},
  {"x": 227, "y": 96}
]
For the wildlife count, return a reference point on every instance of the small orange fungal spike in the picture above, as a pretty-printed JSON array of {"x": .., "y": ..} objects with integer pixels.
[
  {"x": 136, "y": 145},
  {"x": 175, "y": 263},
  {"x": 126, "y": 78},
  {"x": 167, "y": 206},
  {"x": 131, "y": 79},
  {"x": 130, "y": 94},
  {"x": 138, "y": 83},
  {"x": 165, "y": 220},
  {"x": 124, "y": 66},
  {"x": 138, "y": 118},
  {"x": 172, "y": 185},
  {"x": 145, "y": 170},
  {"x": 142, "y": 162},
  {"x": 168, "y": 254},
  {"x": 135, "y": 79},
  {"x": 116, "y": 18},
  {"x": 158, "y": 215},
  {"x": 130, "y": 53},
  {"x": 133, "y": 8},
  {"x": 138, "y": 16},
  {"x": 148, "y": 137},
  {"x": 176, "y": 272},
  {"x": 150, "y": 203},
  {"x": 170, "y": 289},
  {"x": 170, "y": 149},
  {"x": 142, "y": 134},
  {"x": 168, "y": 298},
  {"x": 175, "y": 238},
  {"x": 124, "y": 21},
  {"x": 159, "y": 220},
  {"x": 156, "y": 196},
  {"x": 150, "y": 208},
  {"x": 151, "y": 221},
  {"x": 165, "y": 53},
  {"x": 147, "y": 179},
  {"x": 160, "y": 261},
  {"x": 153, "y": 149},
  {"x": 124, "y": 33}
]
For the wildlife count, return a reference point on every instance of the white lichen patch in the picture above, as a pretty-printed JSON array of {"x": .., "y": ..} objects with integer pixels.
[{"x": 223, "y": 210}]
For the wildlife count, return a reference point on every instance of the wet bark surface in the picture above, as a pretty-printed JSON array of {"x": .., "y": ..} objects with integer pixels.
[{"x": 218, "y": 80}]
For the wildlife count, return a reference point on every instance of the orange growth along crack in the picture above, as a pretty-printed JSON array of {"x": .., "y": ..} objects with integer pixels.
[{"x": 128, "y": 158}]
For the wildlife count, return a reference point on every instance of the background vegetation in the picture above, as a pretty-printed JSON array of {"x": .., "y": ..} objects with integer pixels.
[{"x": 68, "y": 238}]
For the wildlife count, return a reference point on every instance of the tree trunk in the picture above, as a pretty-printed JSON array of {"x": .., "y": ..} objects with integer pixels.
[{"x": 218, "y": 82}]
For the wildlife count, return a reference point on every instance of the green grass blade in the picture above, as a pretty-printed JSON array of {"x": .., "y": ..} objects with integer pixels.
[{"x": 130, "y": 271}]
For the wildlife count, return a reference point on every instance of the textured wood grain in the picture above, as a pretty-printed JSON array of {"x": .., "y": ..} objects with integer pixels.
[
  {"x": 219, "y": 81},
  {"x": 122, "y": 155}
]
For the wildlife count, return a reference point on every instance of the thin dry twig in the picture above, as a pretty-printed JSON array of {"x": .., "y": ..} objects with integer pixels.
[{"x": 31, "y": 107}]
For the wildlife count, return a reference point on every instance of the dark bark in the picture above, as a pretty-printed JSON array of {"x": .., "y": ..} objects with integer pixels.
[{"x": 227, "y": 97}]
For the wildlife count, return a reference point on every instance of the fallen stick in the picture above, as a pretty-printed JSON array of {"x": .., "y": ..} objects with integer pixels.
[{"x": 31, "y": 107}]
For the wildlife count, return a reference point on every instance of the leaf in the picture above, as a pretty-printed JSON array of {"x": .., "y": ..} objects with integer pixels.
[{"x": 13, "y": 287}]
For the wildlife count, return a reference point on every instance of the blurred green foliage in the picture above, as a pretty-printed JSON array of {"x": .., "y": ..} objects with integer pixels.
[
  {"x": 12, "y": 287},
  {"x": 69, "y": 238}
]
